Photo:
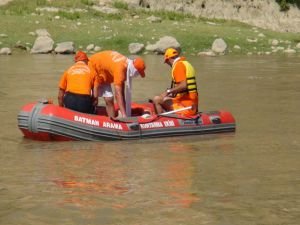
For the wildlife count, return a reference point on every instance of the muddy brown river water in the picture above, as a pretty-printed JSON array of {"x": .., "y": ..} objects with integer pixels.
[{"x": 242, "y": 178}]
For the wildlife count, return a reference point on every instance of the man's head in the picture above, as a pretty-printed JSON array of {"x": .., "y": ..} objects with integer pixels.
[
  {"x": 140, "y": 66},
  {"x": 170, "y": 54},
  {"x": 81, "y": 56}
]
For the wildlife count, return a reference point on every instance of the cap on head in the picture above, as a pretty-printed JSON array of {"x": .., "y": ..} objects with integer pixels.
[
  {"x": 170, "y": 53},
  {"x": 81, "y": 56},
  {"x": 140, "y": 66}
]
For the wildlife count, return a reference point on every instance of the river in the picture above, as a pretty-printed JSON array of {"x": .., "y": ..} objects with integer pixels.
[{"x": 242, "y": 178}]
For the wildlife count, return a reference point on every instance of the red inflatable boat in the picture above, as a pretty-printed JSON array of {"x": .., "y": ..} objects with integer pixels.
[{"x": 44, "y": 121}]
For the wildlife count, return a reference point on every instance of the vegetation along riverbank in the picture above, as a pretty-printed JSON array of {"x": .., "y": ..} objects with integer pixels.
[{"x": 83, "y": 24}]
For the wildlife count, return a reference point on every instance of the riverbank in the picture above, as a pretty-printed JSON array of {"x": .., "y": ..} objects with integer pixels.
[{"x": 91, "y": 29}]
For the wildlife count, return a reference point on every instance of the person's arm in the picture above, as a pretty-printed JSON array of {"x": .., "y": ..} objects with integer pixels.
[
  {"x": 62, "y": 87},
  {"x": 180, "y": 76},
  {"x": 95, "y": 94},
  {"x": 60, "y": 97},
  {"x": 119, "y": 92},
  {"x": 119, "y": 83},
  {"x": 180, "y": 87}
]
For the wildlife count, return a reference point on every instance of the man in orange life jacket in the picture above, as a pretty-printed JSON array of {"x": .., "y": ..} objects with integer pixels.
[
  {"x": 183, "y": 92},
  {"x": 76, "y": 86},
  {"x": 114, "y": 68}
]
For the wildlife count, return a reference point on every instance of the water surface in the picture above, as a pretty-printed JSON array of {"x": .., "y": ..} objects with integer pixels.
[{"x": 247, "y": 177}]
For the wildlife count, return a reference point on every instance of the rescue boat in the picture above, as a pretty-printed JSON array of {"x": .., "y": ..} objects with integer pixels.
[{"x": 48, "y": 122}]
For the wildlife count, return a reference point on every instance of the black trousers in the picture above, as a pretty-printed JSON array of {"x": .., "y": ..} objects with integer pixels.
[{"x": 77, "y": 102}]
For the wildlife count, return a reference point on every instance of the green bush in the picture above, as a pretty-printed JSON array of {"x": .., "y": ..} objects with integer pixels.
[
  {"x": 69, "y": 15},
  {"x": 168, "y": 15},
  {"x": 87, "y": 2},
  {"x": 41, "y": 2},
  {"x": 120, "y": 5},
  {"x": 285, "y": 4},
  {"x": 113, "y": 16}
]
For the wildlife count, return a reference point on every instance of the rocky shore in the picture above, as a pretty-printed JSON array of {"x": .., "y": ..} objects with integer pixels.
[
  {"x": 261, "y": 14},
  {"x": 45, "y": 44}
]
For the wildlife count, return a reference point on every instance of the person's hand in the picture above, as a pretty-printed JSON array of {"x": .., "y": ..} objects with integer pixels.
[{"x": 164, "y": 94}]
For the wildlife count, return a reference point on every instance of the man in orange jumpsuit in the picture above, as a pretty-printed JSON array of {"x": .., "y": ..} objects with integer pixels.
[
  {"x": 183, "y": 92},
  {"x": 113, "y": 67},
  {"x": 76, "y": 86}
]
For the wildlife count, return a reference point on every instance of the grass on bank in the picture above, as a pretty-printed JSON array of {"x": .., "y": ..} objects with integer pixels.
[{"x": 116, "y": 32}]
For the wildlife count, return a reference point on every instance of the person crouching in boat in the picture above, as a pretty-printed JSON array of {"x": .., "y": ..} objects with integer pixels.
[
  {"x": 183, "y": 92},
  {"x": 76, "y": 86},
  {"x": 114, "y": 68}
]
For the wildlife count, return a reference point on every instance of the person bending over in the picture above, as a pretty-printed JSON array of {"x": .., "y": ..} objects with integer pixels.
[{"x": 114, "y": 68}]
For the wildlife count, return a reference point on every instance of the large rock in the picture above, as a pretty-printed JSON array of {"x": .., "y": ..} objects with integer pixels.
[
  {"x": 97, "y": 48},
  {"x": 90, "y": 47},
  {"x": 162, "y": 44},
  {"x": 275, "y": 42},
  {"x": 65, "y": 48},
  {"x": 5, "y": 51},
  {"x": 219, "y": 46},
  {"x": 290, "y": 51},
  {"x": 154, "y": 19},
  {"x": 135, "y": 48},
  {"x": 42, "y": 45}
]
